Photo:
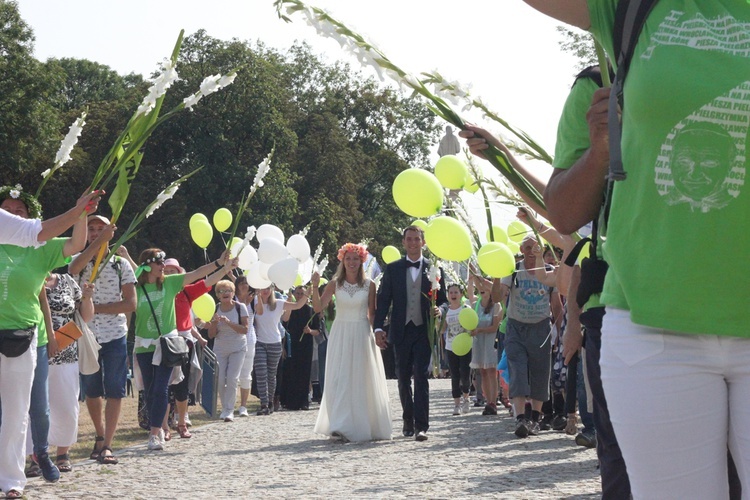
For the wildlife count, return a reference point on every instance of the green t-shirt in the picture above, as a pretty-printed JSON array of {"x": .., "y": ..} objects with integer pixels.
[
  {"x": 163, "y": 302},
  {"x": 573, "y": 138},
  {"x": 678, "y": 228},
  {"x": 22, "y": 275}
]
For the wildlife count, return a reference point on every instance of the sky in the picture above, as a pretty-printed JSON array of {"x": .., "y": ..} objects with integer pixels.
[{"x": 505, "y": 50}]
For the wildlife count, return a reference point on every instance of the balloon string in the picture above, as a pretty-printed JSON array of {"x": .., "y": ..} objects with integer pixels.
[{"x": 205, "y": 256}]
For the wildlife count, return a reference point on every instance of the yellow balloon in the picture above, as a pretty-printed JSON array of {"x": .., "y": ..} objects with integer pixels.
[
  {"x": 390, "y": 254},
  {"x": 201, "y": 233},
  {"x": 298, "y": 280},
  {"x": 204, "y": 307},
  {"x": 517, "y": 231},
  {"x": 234, "y": 245},
  {"x": 222, "y": 219},
  {"x": 499, "y": 234},
  {"x": 514, "y": 247},
  {"x": 468, "y": 318},
  {"x": 470, "y": 184},
  {"x": 496, "y": 260},
  {"x": 419, "y": 223},
  {"x": 417, "y": 193},
  {"x": 451, "y": 171},
  {"x": 461, "y": 344},
  {"x": 448, "y": 239},
  {"x": 196, "y": 217}
]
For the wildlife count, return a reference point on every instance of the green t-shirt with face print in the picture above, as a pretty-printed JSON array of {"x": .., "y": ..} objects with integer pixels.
[{"x": 678, "y": 230}]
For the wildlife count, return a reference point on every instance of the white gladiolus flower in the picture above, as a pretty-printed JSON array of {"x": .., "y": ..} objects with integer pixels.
[
  {"x": 46, "y": 173},
  {"x": 162, "y": 82},
  {"x": 210, "y": 84},
  {"x": 227, "y": 80},
  {"x": 192, "y": 100},
  {"x": 434, "y": 274},
  {"x": 263, "y": 168},
  {"x": 165, "y": 195},
  {"x": 69, "y": 142}
]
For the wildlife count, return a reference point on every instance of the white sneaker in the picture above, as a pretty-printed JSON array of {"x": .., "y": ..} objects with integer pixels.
[
  {"x": 162, "y": 441},
  {"x": 229, "y": 417},
  {"x": 243, "y": 412},
  {"x": 465, "y": 405},
  {"x": 457, "y": 409},
  {"x": 154, "y": 444},
  {"x": 223, "y": 414}
]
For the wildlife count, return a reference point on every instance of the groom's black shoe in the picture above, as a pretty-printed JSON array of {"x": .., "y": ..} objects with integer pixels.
[
  {"x": 408, "y": 432},
  {"x": 421, "y": 436}
]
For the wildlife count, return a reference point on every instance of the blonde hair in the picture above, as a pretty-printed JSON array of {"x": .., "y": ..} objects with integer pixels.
[
  {"x": 271, "y": 298},
  {"x": 225, "y": 283},
  {"x": 340, "y": 275}
]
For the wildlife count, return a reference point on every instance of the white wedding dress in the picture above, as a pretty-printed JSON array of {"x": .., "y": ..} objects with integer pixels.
[{"x": 355, "y": 401}]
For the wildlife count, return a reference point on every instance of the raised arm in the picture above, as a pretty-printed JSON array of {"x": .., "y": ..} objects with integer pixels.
[
  {"x": 573, "y": 12},
  {"x": 58, "y": 225},
  {"x": 225, "y": 270},
  {"x": 77, "y": 242},
  {"x": 319, "y": 303},
  {"x": 88, "y": 254},
  {"x": 203, "y": 271},
  {"x": 86, "y": 306}
]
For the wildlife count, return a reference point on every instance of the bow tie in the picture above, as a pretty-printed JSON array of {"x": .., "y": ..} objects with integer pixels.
[{"x": 412, "y": 264}]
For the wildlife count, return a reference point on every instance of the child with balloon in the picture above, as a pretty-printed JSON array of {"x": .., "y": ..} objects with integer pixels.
[
  {"x": 458, "y": 320},
  {"x": 484, "y": 354}
]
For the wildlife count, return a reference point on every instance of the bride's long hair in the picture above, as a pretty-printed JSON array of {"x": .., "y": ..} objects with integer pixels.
[{"x": 340, "y": 276}]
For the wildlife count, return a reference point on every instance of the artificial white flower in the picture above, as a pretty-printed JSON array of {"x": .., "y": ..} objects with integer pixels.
[
  {"x": 192, "y": 100},
  {"x": 15, "y": 193}
]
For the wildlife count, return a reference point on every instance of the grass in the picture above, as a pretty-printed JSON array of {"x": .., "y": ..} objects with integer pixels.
[{"x": 129, "y": 432}]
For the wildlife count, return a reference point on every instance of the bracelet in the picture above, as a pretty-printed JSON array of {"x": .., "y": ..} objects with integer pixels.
[{"x": 216, "y": 263}]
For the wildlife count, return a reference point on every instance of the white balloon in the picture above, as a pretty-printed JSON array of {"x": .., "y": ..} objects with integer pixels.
[
  {"x": 271, "y": 251},
  {"x": 254, "y": 279},
  {"x": 298, "y": 247},
  {"x": 248, "y": 256},
  {"x": 270, "y": 231},
  {"x": 305, "y": 270},
  {"x": 264, "y": 270},
  {"x": 284, "y": 273}
]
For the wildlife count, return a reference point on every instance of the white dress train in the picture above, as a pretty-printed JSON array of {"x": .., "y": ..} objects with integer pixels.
[{"x": 355, "y": 401}]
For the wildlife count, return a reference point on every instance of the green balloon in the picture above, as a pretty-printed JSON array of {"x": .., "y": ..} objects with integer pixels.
[
  {"x": 196, "y": 217},
  {"x": 499, "y": 235},
  {"x": 201, "y": 233},
  {"x": 451, "y": 171},
  {"x": 517, "y": 231},
  {"x": 222, "y": 219},
  {"x": 496, "y": 260},
  {"x": 514, "y": 247},
  {"x": 419, "y": 223},
  {"x": 468, "y": 318},
  {"x": 417, "y": 193},
  {"x": 470, "y": 184},
  {"x": 390, "y": 254},
  {"x": 448, "y": 239},
  {"x": 461, "y": 345}
]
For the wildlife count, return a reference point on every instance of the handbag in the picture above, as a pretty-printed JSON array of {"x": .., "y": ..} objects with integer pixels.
[
  {"x": 88, "y": 348},
  {"x": 174, "y": 348},
  {"x": 13, "y": 343},
  {"x": 67, "y": 334}
]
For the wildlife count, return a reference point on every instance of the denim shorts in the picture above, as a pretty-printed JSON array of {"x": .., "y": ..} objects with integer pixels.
[{"x": 112, "y": 376}]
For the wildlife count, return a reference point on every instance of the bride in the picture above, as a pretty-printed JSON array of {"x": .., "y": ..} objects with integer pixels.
[{"x": 355, "y": 404}]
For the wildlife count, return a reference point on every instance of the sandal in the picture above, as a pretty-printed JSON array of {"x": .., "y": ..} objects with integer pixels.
[
  {"x": 96, "y": 451},
  {"x": 33, "y": 470},
  {"x": 63, "y": 463},
  {"x": 183, "y": 431},
  {"x": 14, "y": 493},
  {"x": 107, "y": 459}
]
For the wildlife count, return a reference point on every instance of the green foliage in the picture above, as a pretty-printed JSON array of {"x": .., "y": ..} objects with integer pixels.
[
  {"x": 580, "y": 44},
  {"x": 340, "y": 140}
]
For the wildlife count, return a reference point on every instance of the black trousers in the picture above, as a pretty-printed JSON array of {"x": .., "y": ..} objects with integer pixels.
[
  {"x": 413, "y": 360},
  {"x": 460, "y": 373}
]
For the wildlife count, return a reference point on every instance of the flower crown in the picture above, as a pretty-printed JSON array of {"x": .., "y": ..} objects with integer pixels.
[
  {"x": 17, "y": 193},
  {"x": 352, "y": 247},
  {"x": 158, "y": 256}
]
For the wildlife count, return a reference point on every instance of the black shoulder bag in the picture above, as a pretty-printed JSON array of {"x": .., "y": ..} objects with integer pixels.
[{"x": 174, "y": 349}]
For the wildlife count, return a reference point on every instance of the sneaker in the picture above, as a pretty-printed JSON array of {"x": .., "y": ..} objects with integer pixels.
[
  {"x": 478, "y": 403},
  {"x": 263, "y": 410},
  {"x": 243, "y": 412},
  {"x": 162, "y": 438},
  {"x": 533, "y": 428},
  {"x": 224, "y": 414},
  {"x": 154, "y": 444},
  {"x": 559, "y": 423},
  {"x": 465, "y": 405},
  {"x": 489, "y": 409},
  {"x": 229, "y": 417},
  {"x": 457, "y": 409},
  {"x": 187, "y": 421},
  {"x": 50, "y": 472},
  {"x": 522, "y": 427},
  {"x": 587, "y": 439},
  {"x": 546, "y": 423}
]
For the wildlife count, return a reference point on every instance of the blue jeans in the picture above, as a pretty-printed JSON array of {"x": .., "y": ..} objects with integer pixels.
[
  {"x": 39, "y": 409},
  {"x": 156, "y": 387}
]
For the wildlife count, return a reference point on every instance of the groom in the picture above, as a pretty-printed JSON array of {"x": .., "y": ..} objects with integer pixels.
[{"x": 405, "y": 286}]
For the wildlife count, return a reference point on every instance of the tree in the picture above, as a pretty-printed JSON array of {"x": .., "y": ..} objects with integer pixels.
[{"x": 580, "y": 44}]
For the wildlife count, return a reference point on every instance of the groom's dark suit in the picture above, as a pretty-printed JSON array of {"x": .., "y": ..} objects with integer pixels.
[{"x": 412, "y": 346}]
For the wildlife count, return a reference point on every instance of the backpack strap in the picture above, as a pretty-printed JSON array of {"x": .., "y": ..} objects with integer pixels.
[{"x": 629, "y": 20}]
